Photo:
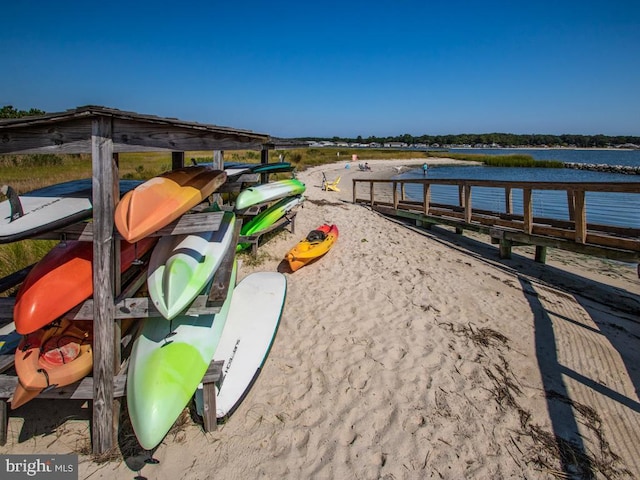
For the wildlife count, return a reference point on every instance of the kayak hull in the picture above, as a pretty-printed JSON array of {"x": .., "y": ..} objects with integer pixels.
[
  {"x": 163, "y": 199},
  {"x": 308, "y": 250}
]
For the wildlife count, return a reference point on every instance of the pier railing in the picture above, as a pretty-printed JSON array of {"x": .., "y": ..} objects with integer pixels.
[{"x": 507, "y": 227}]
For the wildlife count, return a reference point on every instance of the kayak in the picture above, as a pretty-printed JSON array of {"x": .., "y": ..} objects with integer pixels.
[
  {"x": 252, "y": 323},
  {"x": 62, "y": 279},
  {"x": 167, "y": 363},
  {"x": 273, "y": 167},
  {"x": 48, "y": 208},
  {"x": 313, "y": 246},
  {"x": 181, "y": 266},
  {"x": 54, "y": 356},
  {"x": 162, "y": 199},
  {"x": 268, "y": 217},
  {"x": 267, "y": 192}
]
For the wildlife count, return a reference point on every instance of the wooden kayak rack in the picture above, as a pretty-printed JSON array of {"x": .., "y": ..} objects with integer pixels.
[
  {"x": 104, "y": 133},
  {"x": 129, "y": 307}
]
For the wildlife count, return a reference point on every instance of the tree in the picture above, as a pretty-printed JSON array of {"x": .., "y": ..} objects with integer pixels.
[{"x": 9, "y": 112}]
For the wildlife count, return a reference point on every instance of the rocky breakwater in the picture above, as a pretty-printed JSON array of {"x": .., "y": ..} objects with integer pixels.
[{"x": 603, "y": 167}]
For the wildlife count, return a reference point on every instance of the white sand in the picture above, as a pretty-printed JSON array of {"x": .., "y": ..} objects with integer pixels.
[{"x": 406, "y": 354}]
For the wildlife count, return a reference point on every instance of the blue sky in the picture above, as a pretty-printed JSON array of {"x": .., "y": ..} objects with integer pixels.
[{"x": 329, "y": 68}]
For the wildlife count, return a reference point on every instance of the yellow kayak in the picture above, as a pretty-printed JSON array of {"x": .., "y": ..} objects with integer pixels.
[{"x": 316, "y": 244}]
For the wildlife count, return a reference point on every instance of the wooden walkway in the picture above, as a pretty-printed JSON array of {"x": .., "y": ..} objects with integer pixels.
[{"x": 505, "y": 227}]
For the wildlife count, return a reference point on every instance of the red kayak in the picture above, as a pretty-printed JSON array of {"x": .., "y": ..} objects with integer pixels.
[{"x": 62, "y": 280}]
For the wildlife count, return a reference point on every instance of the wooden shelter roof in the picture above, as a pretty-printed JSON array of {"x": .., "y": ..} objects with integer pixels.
[{"x": 70, "y": 132}]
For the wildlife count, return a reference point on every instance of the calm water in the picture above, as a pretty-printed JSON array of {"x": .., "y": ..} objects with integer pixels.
[
  {"x": 621, "y": 209},
  {"x": 610, "y": 157}
]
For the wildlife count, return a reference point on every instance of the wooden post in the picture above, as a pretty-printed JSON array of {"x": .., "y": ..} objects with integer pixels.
[
  {"x": 354, "y": 190},
  {"x": 371, "y": 192},
  {"x": 467, "y": 203},
  {"x": 541, "y": 254},
  {"x": 426, "y": 190},
  {"x": 402, "y": 192},
  {"x": 528, "y": 210},
  {"x": 395, "y": 195},
  {"x": 580, "y": 217},
  {"x": 177, "y": 160},
  {"x": 461, "y": 195},
  {"x": 103, "y": 283},
  {"x": 218, "y": 164},
  {"x": 505, "y": 248},
  {"x": 508, "y": 204},
  {"x": 571, "y": 204},
  {"x": 264, "y": 158}
]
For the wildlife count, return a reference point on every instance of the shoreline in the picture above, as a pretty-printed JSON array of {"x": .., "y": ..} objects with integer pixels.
[{"x": 406, "y": 354}]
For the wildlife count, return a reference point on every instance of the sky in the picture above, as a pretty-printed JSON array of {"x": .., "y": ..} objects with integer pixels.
[{"x": 334, "y": 68}]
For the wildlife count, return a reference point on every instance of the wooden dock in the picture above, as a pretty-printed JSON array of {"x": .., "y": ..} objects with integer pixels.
[{"x": 507, "y": 228}]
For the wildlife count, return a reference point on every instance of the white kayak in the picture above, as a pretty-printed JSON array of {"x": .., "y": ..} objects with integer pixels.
[
  {"x": 48, "y": 208},
  {"x": 181, "y": 266},
  {"x": 252, "y": 322}
]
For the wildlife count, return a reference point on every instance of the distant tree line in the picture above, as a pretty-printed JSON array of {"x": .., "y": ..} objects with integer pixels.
[
  {"x": 502, "y": 139},
  {"x": 9, "y": 112}
]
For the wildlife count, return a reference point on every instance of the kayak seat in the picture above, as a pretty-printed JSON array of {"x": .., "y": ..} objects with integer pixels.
[{"x": 316, "y": 236}]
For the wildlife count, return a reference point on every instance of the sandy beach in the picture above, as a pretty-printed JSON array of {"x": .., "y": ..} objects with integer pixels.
[{"x": 410, "y": 354}]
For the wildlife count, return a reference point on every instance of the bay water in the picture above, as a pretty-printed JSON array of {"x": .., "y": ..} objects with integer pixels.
[{"x": 619, "y": 209}]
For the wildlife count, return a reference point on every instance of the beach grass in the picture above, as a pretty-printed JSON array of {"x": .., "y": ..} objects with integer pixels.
[{"x": 514, "y": 160}]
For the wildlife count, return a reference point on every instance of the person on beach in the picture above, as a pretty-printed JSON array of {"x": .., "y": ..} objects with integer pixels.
[{"x": 424, "y": 168}]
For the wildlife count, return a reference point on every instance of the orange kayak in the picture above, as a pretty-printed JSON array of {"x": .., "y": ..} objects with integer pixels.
[
  {"x": 62, "y": 280},
  {"x": 162, "y": 199},
  {"x": 54, "y": 356},
  {"x": 316, "y": 244}
]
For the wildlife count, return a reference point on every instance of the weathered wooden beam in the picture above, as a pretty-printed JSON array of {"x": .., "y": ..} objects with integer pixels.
[
  {"x": 571, "y": 204},
  {"x": 508, "y": 200},
  {"x": 426, "y": 198},
  {"x": 580, "y": 217},
  {"x": 468, "y": 212},
  {"x": 103, "y": 283},
  {"x": 222, "y": 278},
  {"x": 505, "y": 248},
  {"x": 213, "y": 375},
  {"x": 264, "y": 159},
  {"x": 192, "y": 223},
  {"x": 541, "y": 254},
  {"x": 177, "y": 160},
  {"x": 395, "y": 194},
  {"x": 528, "y": 209}
]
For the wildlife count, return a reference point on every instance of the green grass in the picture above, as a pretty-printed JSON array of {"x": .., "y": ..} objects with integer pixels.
[{"x": 515, "y": 160}]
